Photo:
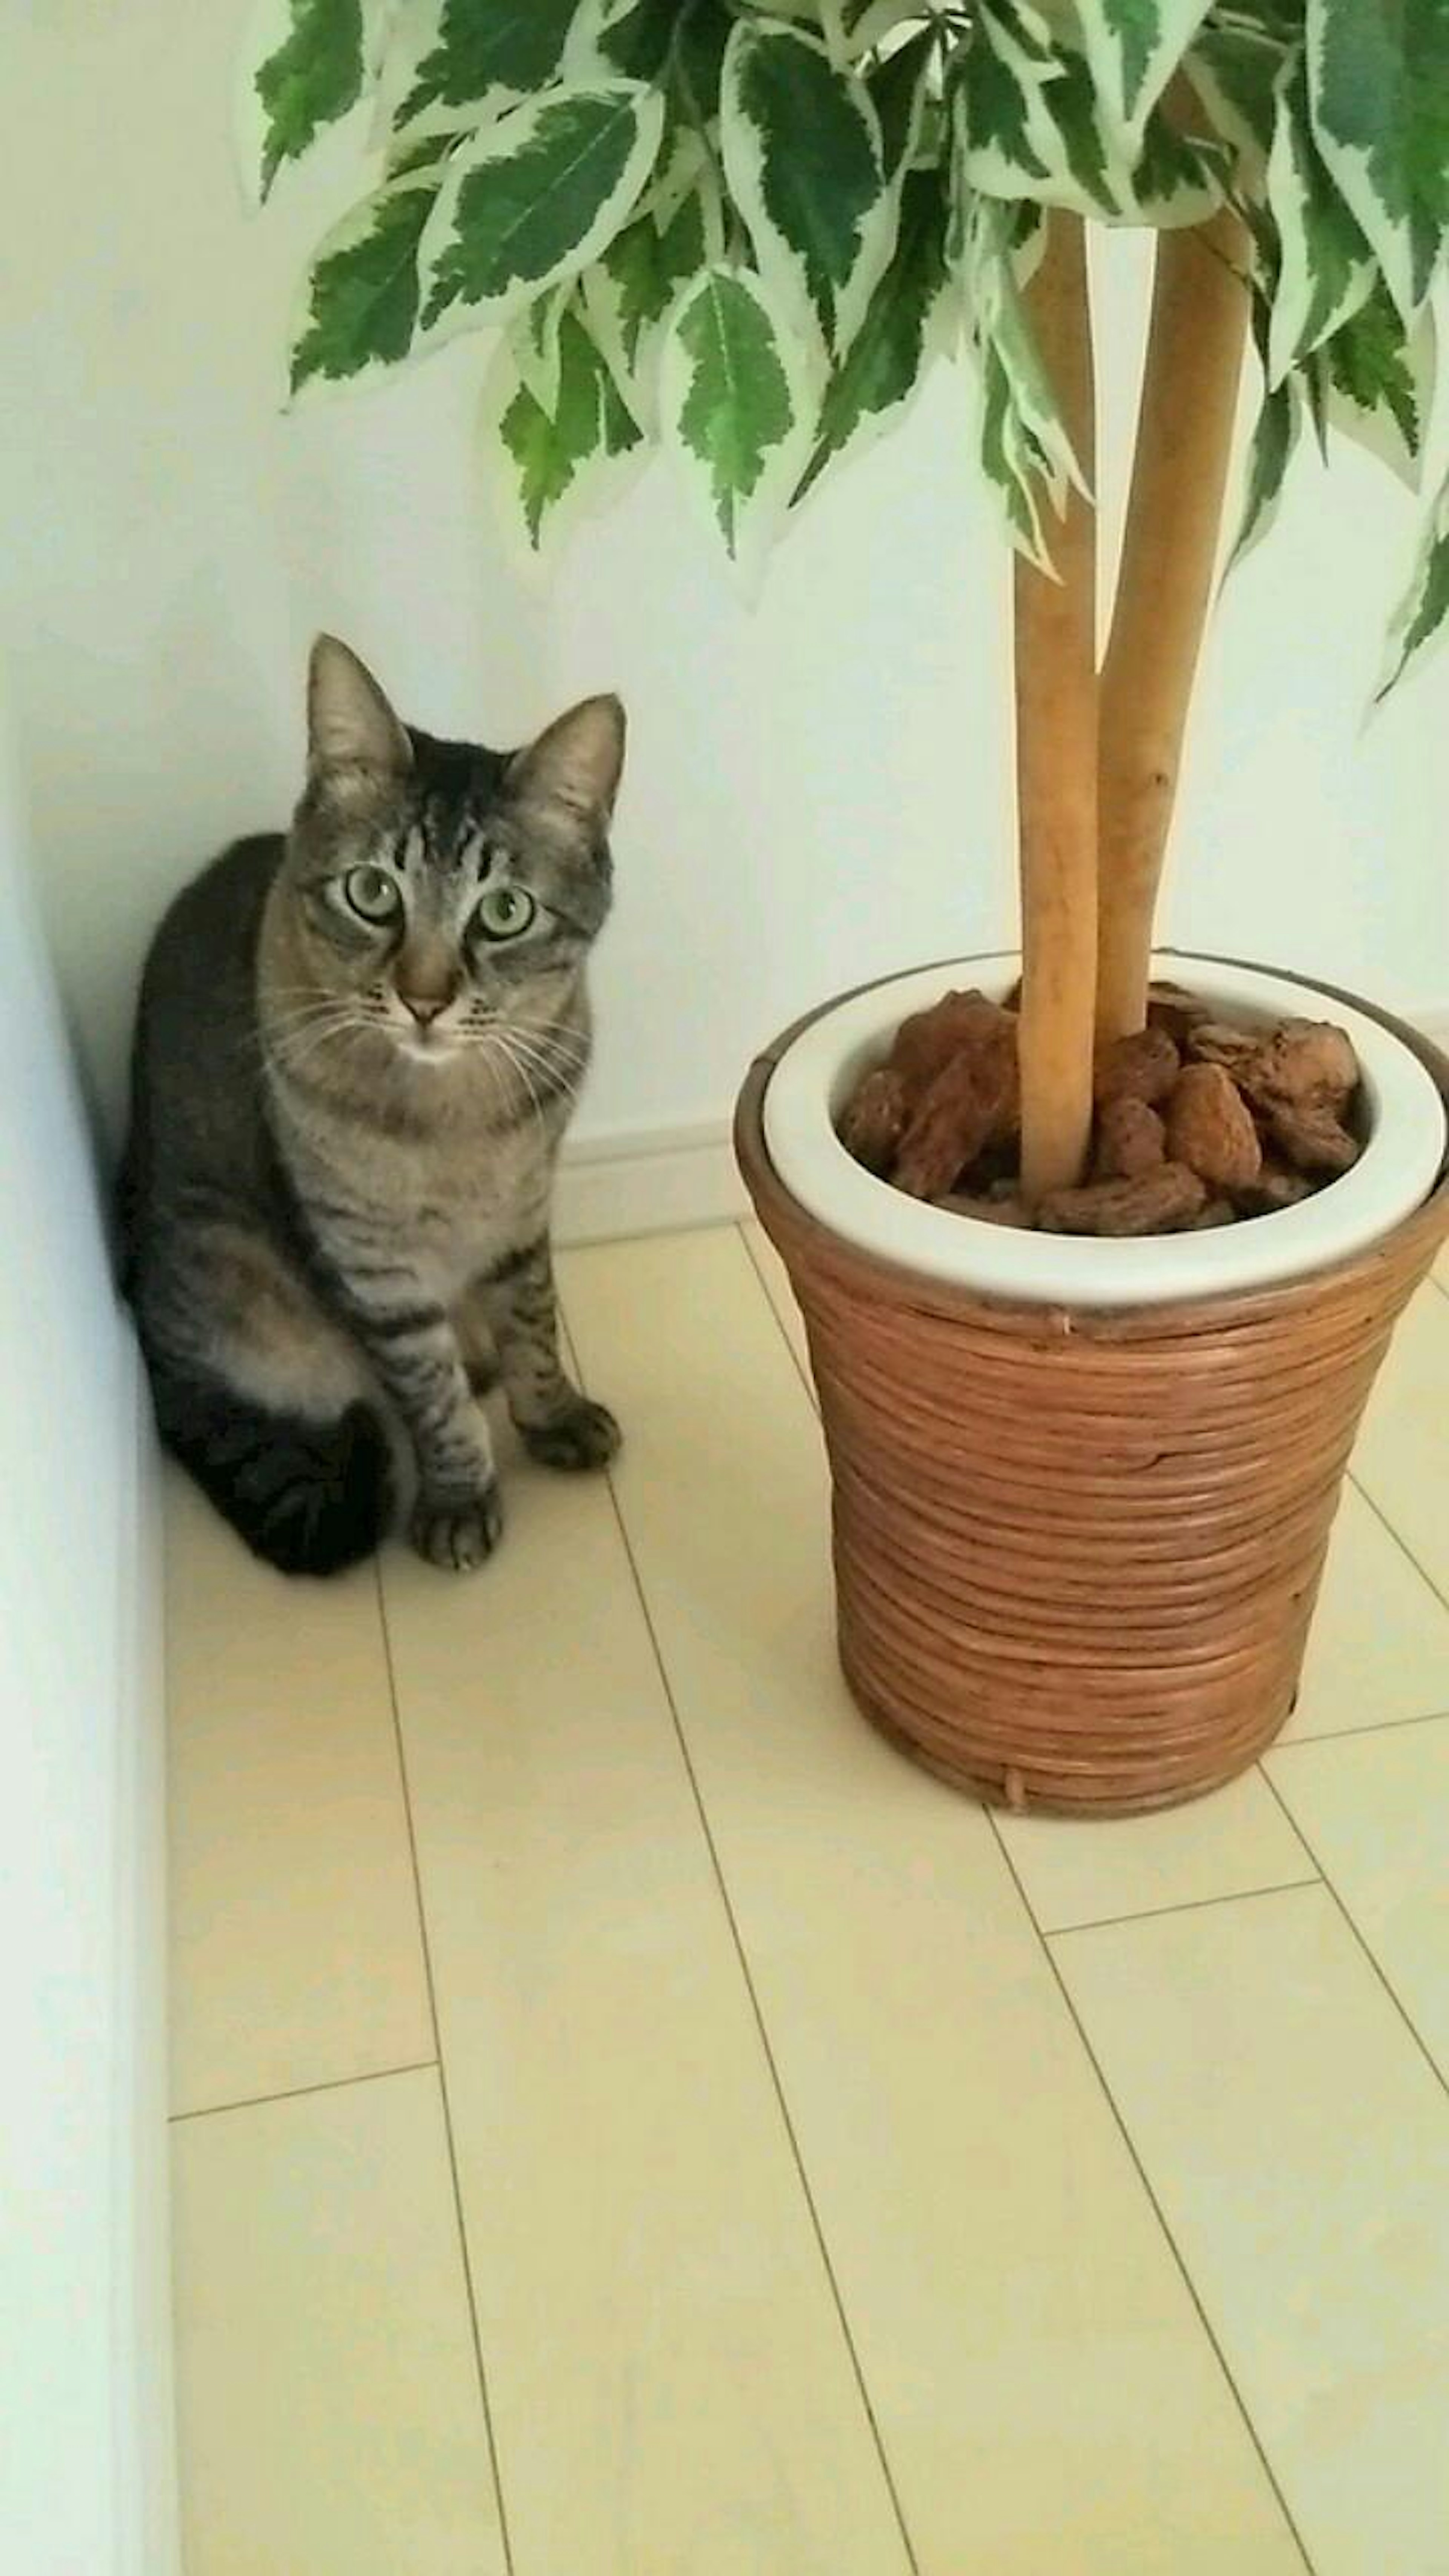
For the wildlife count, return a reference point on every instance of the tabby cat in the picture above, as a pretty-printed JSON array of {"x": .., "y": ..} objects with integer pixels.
[{"x": 357, "y": 1051}]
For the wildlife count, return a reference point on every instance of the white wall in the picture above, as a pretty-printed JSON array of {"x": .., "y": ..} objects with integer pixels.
[
  {"x": 819, "y": 788},
  {"x": 85, "y": 2476}
]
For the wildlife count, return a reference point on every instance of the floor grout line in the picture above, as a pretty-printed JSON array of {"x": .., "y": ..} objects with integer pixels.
[
  {"x": 1352, "y": 1734},
  {"x": 301, "y": 2092},
  {"x": 776, "y": 1318},
  {"x": 1188, "y": 1905},
  {"x": 1400, "y": 1542},
  {"x": 772, "y": 2065},
  {"x": 1157, "y": 2209},
  {"x": 460, "y": 2217},
  {"x": 1400, "y": 2007}
]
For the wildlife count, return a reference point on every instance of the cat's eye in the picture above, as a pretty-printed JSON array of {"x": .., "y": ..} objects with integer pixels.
[
  {"x": 374, "y": 896},
  {"x": 504, "y": 912}
]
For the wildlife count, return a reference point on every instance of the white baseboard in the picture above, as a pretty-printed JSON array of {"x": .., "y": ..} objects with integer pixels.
[
  {"x": 664, "y": 1180},
  {"x": 661, "y": 1181}
]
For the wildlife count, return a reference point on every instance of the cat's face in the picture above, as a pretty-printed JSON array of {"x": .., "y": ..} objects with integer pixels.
[{"x": 441, "y": 893}]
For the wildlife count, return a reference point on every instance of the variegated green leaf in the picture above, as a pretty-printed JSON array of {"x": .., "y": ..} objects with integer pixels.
[
  {"x": 1275, "y": 436},
  {"x": 905, "y": 327},
  {"x": 1234, "y": 68},
  {"x": 533, "y": 198},
  {"x": 736, "y": 408},
  {"x": 632, "y": 38},
  {"x": 453, "y": 64},
  {"x": 360, "y": 304},
  {"x": 901, "y": 90},
  {"x": 1325, "y": 266},
  {"x": 802, "y": 153},
  {"x": 548, "y": 455},
  {"x": 1134, "y": 47},
  {"x": 305, "y": 64},
  {"x": 1025, "y": 448},
  {"x": 534, "y": 336},
  {"x": 629, "y": 292},
  {"x": 1375, "y": 383},
  {"x": 853, "y": 28},
  {"x": 1379, "y": 81},
  {"x": 1031, "y": 127},
  {"x": 1421, "y": 617}
]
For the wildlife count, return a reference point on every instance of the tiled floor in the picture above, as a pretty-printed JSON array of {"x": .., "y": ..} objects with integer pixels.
[{"x": 629, "y": 2123}]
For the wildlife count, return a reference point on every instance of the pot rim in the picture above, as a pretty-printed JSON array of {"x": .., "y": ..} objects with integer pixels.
[{"x": 1151, "y": 1280}]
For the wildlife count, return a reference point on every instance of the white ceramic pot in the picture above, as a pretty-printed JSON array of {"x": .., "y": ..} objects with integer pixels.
[{"x": 1403, "y": 1154}]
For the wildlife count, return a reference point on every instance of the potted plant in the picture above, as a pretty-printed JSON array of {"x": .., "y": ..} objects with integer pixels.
[{"x": 1084, "y": 1471}]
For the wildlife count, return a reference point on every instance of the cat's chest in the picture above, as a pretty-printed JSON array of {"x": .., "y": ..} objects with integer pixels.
[{"x": 446, "y": 1208}]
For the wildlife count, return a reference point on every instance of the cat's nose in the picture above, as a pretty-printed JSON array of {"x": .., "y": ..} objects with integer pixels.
[{"x": 425, "y": 1007}]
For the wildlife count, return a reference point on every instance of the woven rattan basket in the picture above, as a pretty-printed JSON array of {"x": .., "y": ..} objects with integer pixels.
[{"x": 1077, "y": 1554}]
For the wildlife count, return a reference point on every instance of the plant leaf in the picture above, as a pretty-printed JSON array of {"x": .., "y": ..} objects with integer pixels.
[
  {"x": 629, "y": 37},
  {"x": 1377, "y": 383},
  {"x": 1326, "y": 267},
  {"x": 1134, "y": 47},
  {"x": 901, "y": 333},
  {"x": 455, "y": 63},
  {"x": 1379, "y": 82},
  {"x": 1025, "y": 449},
  {"x": 1031, "y": 127},
  {"x": 629, "y": 292},
  {"x": 359, "y": 306},
  {"x": 1275, "y": 436},
  {"x": 533, "y": 198},
  {"x": 802, "y": 152},
  {"x": 548, "y": 455},
  {"x": 1421, "y": 615},
  {"x": 1234, "y": 67},
  {"x": 305, "y": 64},
  {"x": 735, "y": 408}
]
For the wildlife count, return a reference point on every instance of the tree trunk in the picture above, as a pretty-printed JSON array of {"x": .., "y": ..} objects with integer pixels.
[
  {"x": 1056, "y": 757},
  {"x": 1184, "y": 438}
]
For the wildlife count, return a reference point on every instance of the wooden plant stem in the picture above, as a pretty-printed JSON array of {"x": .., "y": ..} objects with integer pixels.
[
  {"x": 1184, "y": 438},
  {"x": 1056, "y": 757}
]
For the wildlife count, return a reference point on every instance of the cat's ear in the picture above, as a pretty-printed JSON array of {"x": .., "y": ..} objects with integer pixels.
[
  {"x": 349, "y": 722},
  {"x": 577, "y": 763}
]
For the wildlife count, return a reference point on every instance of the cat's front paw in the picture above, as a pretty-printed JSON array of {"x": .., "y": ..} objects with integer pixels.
[
  {"x": 458, "y": 1533},
  {"x": 585, "y": 1436}
]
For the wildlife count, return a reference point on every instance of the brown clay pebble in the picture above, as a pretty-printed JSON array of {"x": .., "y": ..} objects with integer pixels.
[
  {"x": 873, "y": 1120},
  {"x": 1160, "y": 1202},
  {"x": 948, "y": 1128},
  {"x": 1131, "y": 1138},
  {"x": 1210, "y": 1128},
  {"x": 1237, "y": 1050},
  {"x": 1310, "y": 1060},
  {"x": 1172, "y": 1007},
  {"x": 1277, "y": 1186},
  {"x": 1140, "y": 1068},
  {"x": 1311, "y": 1137},
  {"x": 929, "y": 1039}
]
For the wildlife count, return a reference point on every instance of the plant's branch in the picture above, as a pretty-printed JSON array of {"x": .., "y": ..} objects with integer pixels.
[
  {"x": 1184, "y": 441},
  {"x": 1056, "y": 755}
]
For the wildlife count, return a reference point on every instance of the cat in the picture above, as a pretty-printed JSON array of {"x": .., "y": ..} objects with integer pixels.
[{"x": 357, "y": 1051}]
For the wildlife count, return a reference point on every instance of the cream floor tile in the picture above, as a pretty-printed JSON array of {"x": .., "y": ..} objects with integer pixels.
[
  {"x": 1043, "y": 2386},
  {"x": 1402, "y": 1459},
  {"x": 776, "y": 1282},
  {"x": 331, "y": 2417},
  {"x": 1298, "y": 2144},
  {"x": 1375, "y": 1809},
  {"x": 1379, "y": 1650},
  {"x": 1225, "y": 1845},
  {"x": 296, "y": 1950},
  {"x": 673, "y": 2393}
]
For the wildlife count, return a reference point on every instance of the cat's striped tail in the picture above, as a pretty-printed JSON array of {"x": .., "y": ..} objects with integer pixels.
[{"x": 308, "y": 1497}]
